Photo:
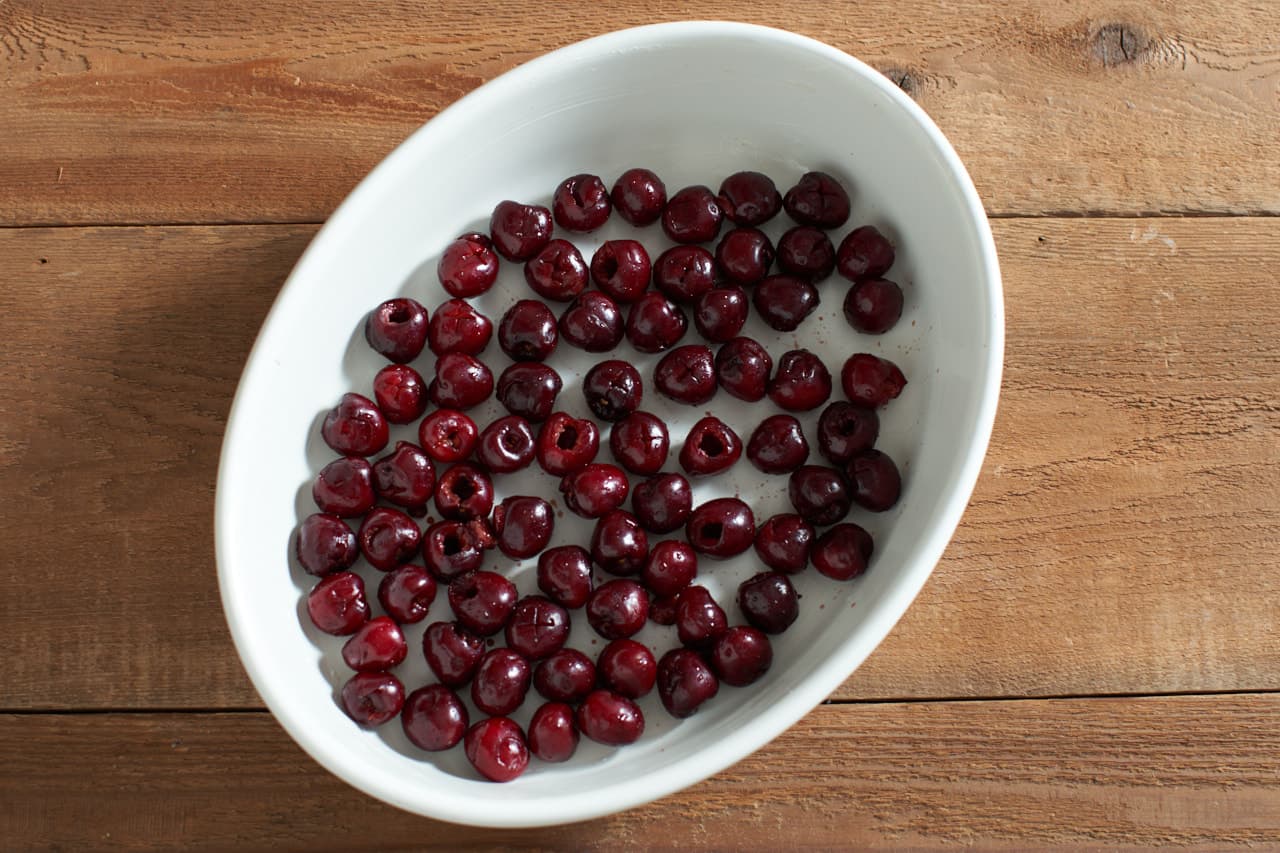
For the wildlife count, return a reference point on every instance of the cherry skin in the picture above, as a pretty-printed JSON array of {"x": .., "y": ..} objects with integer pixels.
[
  {"x": 594, "y": 490},
  {"x": 377, "y": 646},
  {"x": 581, "y": 203},
  {"x": 655, "y": 323},
  {"x": 344, "y": 487},
  {"x": 685, "y": 682},
  {"x": 553, "y": 732},
  {"x": 337, "y": 604},
  {"x": 842, "y": 553},
  {"x": 538, "y": 627},
  {"x": 721, "y": 313},
  {"x": 434, "y": 718},
  {"x": 501, "y": 681},
  {"x": 464, "y": 492},
  {"x": 452, "y": 652},
  {"x": 864, "y": 253},
  {"x": 522, "y": 526},
  {"x": 782, "y": 543},
  {"x": 692, "y": 215},
  {"x": 401, "y": 393},
  {"x": 610, "y": 718},
  {"x": 741, "y": 656},
  {"x": 528, "y": 331},
  {"x": 619, "y": 544},
  {"x": 558, "y": 272},
  {"x": 621, "y": 268},
  {"x": 456, "y": 326},
  {"x": 628, "y": 668},
  {"x": 618, "y": 609},
  {"x": 871, "y": 381},
  {"x": 592, "y": 322},
  {"x": 662, "y": 611},
  {"x": 784, "y": 301},
  {"x": 388, "y": 538},
  {"x": 639, "y": 196},
  {"x": 482, "y": 601},
  {"x": 405, "y": 477},
  {"x": 397, "y": 329},
  {"x": 640, "y": 442},
  {"x": 325, "y": 544},
  {"x": 355, "y": 427},
  {"x": 613, "y": 389},
  {"x": 453, "y": 548},
  {"x": 721, "y": 528},
  {"x": 874, "y": 481},
  {"x": 769, "y": 602},
  {"x": 801, "y": 382},
  {"x": 699, "y": 619},
  {"x": 744, "y": 256},
  {"x": 506, "y": 445},
  {"x": 448, "y": 435},
  {"x": 529, "y": 389},
  {"x": 566, "y": 676},
  {"x": 496, "y": 749},
  {"x": 663, "y": 503},
  {"x": 819, "y": 494},
  {"x": 844, "y": 429},
  {"x": 873, "y": 305},
  {"x": 372, "y": 698},
  {"x": 566, "y": 443},
  {"x": 684, "y": 273},
  {"x": 778, "y": 445},
  {"x": 564, "y": 575},
  {"x": 462, "y": 381},
  {"x": 743, "y": 368},
  {"x": 407, "y": 593},
  {"x": 671, "y": 566},
  {"x": 687, "y": 375},
  {"x": 819, "y": 200},
  {"x": 749, "y": 198},
  {"x": 468, "y": 266},
  {"x": 711, "y": 447},
  {"x": 806, "y": 252},
  {"x": 519, "y": 231}
]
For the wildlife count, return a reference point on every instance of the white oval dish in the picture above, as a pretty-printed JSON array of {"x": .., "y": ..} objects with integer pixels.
[{"x": 694, "y": 102}]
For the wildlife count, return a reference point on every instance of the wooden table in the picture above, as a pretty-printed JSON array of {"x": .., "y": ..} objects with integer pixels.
[{"x": 1095, "y": 662}]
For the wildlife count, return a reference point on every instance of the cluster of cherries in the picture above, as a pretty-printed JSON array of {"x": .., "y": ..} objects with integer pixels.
[{"x": 597, "y": 698}]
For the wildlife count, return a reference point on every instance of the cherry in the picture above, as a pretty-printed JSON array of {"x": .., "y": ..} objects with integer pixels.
[
  {"x": 819, "y": 200},
  {"x": 581, "y": 203},
  {"x": 388, "y": 537},
  {"x": 613, "y": 389},
  {"x": 594, "y": 490},
  {"x": 458, "y": 327},
  {"x": 337, "y": 604},
  {"x": 453, "y": 548},
  {"x": 567, "y": 676},
  {"x": 783, "y": 543},
  {"x": 468, "y": 266},
  {"x": 610, "y": 718},
  {"x": 372, "y": 698},
  {"x": 621, "y": 268},
  {"x": 806, "y": 252},
  {"x": 522, "y": 526},
  {"x": 741, "y": 656},
  {"x": 519, "y": 231},
  {"x": 566, "y": 443},
  {"x": 628, "y": 668},
  {"x": 662, "y": 503},
  {"x": 699, "y": 619},
  {"x": 639, "y": 196},
  {"x": 529, "y": 389},
  {"x": 778, "y": 445},
  {"x": 405, "y": 477},
  {"x": 397, "y": 329},
  {"x": 355, "y": 427},
  {"x": 592, "y": 322},
  {"x": 506, "y": 445},
  {"x": 874, "y": 481},
  {"x": 528, "y": 332},
  {"x": 844, "y": 429},
  {"x": 744, "y": 255},
  {"x": 663, "y": 610},
  {"x": 721, "y": 313},
  {"x": 721, "y": 528},
  {"x": 784, "y": 301},
  {"x": 871, "y": 381},
  {"x": 553, "y": 733},
  {"x": 683, "y": 273},
  {"x": 452, "y": 652},
  {"x": 769, "y": 602},
  {"x": 692, "y": 215},
  {"x": 619, "y": 544},
  {"x": 448, "y": 435},
  {"x": 685, "y": 682},
  {"x": 564, "y": 574},
  {"x": 802, "y": 382},
  {"x": 464, "y": 492},
  {"x": 344, "y": 487},
  {"x": 749, "y": 198},
  {"x": 538, "y": 628},
  {"x": 482, "y": 601},
  {"x": 618, "y": 608},
  {"x": 434, "y": 718},
  {"x": 558, "y": 272},
  {"x": 873, "y": 305},
  {"x": 401, "y": 393},
  {"x": 407, "y": 593},
  {"x": 687, "y": 375},
  {"x": 461, "y": 382},
  {"x": 842, "y": 553},
  {"x": 496, "y": 749},
  {"x": 864, "y": 253},
  {"x": 376, "y": 646},
  {"x": 710, "y": 448},
  {"x": 640, "y": 442},
  {"x": 671, "y": 566},
  {"x": 743, "y": 368},
  {"x": 819, "y": 494},
  {"x": 501, "y": 682},
  {"x": 325, "y": 544},
  {"x": 655, "y": 323}
]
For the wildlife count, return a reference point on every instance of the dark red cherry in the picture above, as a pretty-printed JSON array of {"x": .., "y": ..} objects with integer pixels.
[
  {"x": 621, "y": 268},
  {"x": 566, "y": 443},
  {"x": 692, "y": 215},
  {"x": 595, "y": 489},
  {"x": 806, "y": 252},
  {"x": 873, "y": 305},
  {"x": 553, "y": 732},
  {"x": 496, "y": 749},
  {"x": 817, "y": 199},
  {"x": 506, "y": 445},
  {"x": 482, "y": 601},
  {"x": 662, "y": 503},
  {"x": 529, "y": 389},
  {"x": 743, "y": 368},
  {"x": 618, "y": 608},
  {"x": 461, "y": 382},
  {"x": 464, "y": 492},
  {"x": 842, "y": 553},
  {"x": 871, "y": 381},
  {"x": 397, "y": 329},
  {"x": 448, "y": 435},
  {"x": 744, "y": 255},
  {"x": 783, "y": 543},
  {"x": 388, "y": 537},
  {"x": 456, "y": 326},
  {"x": 778, "y": 445},
  {"x": 355, "y": 427},
  {"x": 749, "y": 198},
  {"x": 711, "y": 447},
  {"x": 376, "y": 647},
  {"x": 452, "y": 652},
  {"x": 741, "y": 656},
  {"x": 610, "y": 718},
  {"x": 613, "y": 389},
  {"x": 407, "y": 593},
  {"x": 453, "y": 548},
  {"x": 671, "y": 566},
  {"x": 564, "y": 574},
  {"x": 687, "y": 375},
  {"x": 684, "y": 273},
  {"x": 520, "y": 231},
  {"x": 501, "y": 681},
  {"x": 662, "y": 611},
  {"x": 655, "y": 323},
  {"x": 592, "y": 322},
  {"x": 344, "y": 487},
  {"x": 721, "y": 313},
  {"x": 784, "y": 301},
  {"x": 699, "y": 619},
  {"x": 819, "y": 494},
  {"x": 434, "y": 718},
  {"x": 405, "y": 477},
  {"x": 722, "y": 527},
  {"x": 558, "y": 272},
  {"x": 581, "y": 203},
  {"x": 864, "y": 253},
  {"x": 566, "y": 676},
  {"x": 639, "y": 196},
  {"x": 401, "y": 393},
  {"x": 325, "y": 544},
  {"x": 538, "y": 627},
  {"x": 769, "y": 602},
  {"x": 801, "y": 382},
  {"x": 528, "y": 331},
  {"x": 685, "y": 682},
  {"x": 372, "y": 698},
  {"x": 874, "y": 481},
  {"x": 337, "y": 604},
  {"x": 628, "y": 668},
  {"x": 844, "y": 429},
  {"x": 468, "y": 266},
  {"x": 640, "y": 442},
  {"x": 522, "y": 526},
  {"x": 619, "y": 544}
]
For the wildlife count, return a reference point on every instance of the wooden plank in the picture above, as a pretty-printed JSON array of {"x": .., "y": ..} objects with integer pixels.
[
  {"x": 267, "y": 110},
  {"x": 1123, "y": 537},
  {"x": 1194, "y": 772}
]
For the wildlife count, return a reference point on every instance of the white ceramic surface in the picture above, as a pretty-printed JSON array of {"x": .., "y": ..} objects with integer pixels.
[{"x": 694, "y": 102}]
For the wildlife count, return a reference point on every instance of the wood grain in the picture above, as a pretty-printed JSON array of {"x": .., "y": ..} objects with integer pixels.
[
  {"x": 1123, "y": 537},
  {"x": 1191, "y": 772},
  {"x": 267, "y": 110}
]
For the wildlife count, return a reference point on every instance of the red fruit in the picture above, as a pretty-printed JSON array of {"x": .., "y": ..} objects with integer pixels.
[
  {"x": 337, "y": 604},
  {"x": 434, "y": 718},
  {"x": 566, "y": 676},
  {"x": 618, "y": 609},
  {"x": 553, "y": 732},
  {"x": 802, "y": 382},
  {"x": 594, "y": 490},
  {"x": 873, "y": 305},
  {"x": 566, "y": 444},
  {"x": 711, "y": 447},
  {"x": 744, "y": 255},
  {"x": 376, "y": 647},
  {"x": 344, "y": 487},
  {"x": 538, "y": 627},
  {"x": 482, "y": 601},
  {"x": 581, "y": 203},
  {"x": 458, "y": 327},
  {"x": 699, "y": 619},
  {"x": 655, "y": 323},
  {"x": 778, "y": 445},
  {"x": 558, "y": 272},
  {"x": 496, "y": 749},
  {"x": 864, "y": 253},
  {"x": 464, "y": 492},
  {"x": 355, "y": 427},
  {"x": 749, "y": 198},
  {"x": 619, "y": 544},
  {"x": 397, "y": 329},
  {"x": 692, "y": 215},
  {"x": 817, "y": 199},
  {"x": 639, "y": 196},
  {"x": 819, "y": 494},
  {"x": 522, "y": 526},
  {"x": 684, "y": 273},
  {"x": 613, "y": 389},
  {"x": 564, "y": 574},
  {"x": 741, "y": 656},
  {"x": 372, "y": 698},
  {"x": 388, "y": 538},
  {"x": 806, "y": 253},
  {"x": 628, "y": 668},
  {"x": 874, "y": 481},
  {"x": 769, "y": 602},
  {"x": 783, "y": 542},
  {"x": 448, "y": 435},
  {"x": 501, "y": 682},
  {"x": 407, "y": 593},
  {"x": 325, "y": 544},
  {"x": 842, "y": 553},
  {"x": 871, "y": 381},
  {"x": 461, "y": 382},
  {"x": 784, "y": 301},
  {"x": 592, "y": 322},
  {"x": 721, "y": 313},
  {"x": 506, "y": 445},
  {"x": 519, "y": 231},
  {"x": 743, "y": 368},
  {"x": 640, "y": 442},
  {"x": 662, "y": 503},
  {"x": 844, "y": 429},
  {"x": 723, "y": 527},
  {"x": 621, "y": 268},
  {"x": 452, "y": 652},
  {"x": 401, "y": 393},
  {"x": 468, "y": 266},
  {"x": 685, "y": 682},
  {"x": 687, "y": 375},
  {"x": 609, "y": 718},
  {"x": 528, "y": 332},
  {"x": 671, "y": 566},
  {"x": 453, "y": 548},
  {"x": 405, "y": 476}
]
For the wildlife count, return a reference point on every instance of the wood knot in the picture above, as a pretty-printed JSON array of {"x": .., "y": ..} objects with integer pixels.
[
  {"x": 1119, "y": 44},
  {"x": 905, "y": 79}
]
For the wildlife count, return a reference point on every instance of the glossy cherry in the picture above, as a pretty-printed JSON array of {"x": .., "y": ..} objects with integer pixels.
[
  {"x": 711, "y": 447},
  {"x": 538, "y": 627},
  {"x": 684, "y": 273},
  {"x": 401, "y": 393},
  {"x": 640, "y": 442},
  {"x": 468, "y": 266},
  {"x": 670, "y": 567},
  {"x": 619, "y": 544},
  {"x": 817, "y": 199},
  {"x": 749, "y": 198},
  {"x": 496, "y": 749},
  {"x": 662, "y": 611},
  {"x": 558, "y": 272},
  {"x": 522, "y": 526},
  {"x": 864, "y": 253},
  {"x": 564, "y": 574},
  {"x": 388, "y": 537},
  {"x": 743, "y": 368},
  {"x": 528, "y": 331},
  {"x": 325, "y": 544},
  {"x": 801, "y": 382},
  {"x": 639, "y": 196},
  {"x": 783, "y": 542},
  {"x": 842, "y": 553},
  {"x": 456, "y": 326},
  {"x": 699, "y": 619},
  {"x": 613, "y": 389},
  {"x": 355, "y": 427},
  {"x": 452, "y": 651},
  {"x": 778, "y": 445},
  {"x": 566, "y": 676},
  {"x": 453, "y": 548},
  {"x": 434, "y": 718},
  {"x": 377, "y": 646},
  {"x": 783, "y": 301},
  {"x": 482, "y": 601},
  {"x": 337, "y": 604},
  {"x": 806, "y": 252},
  {"x": 581, "y": 203},
  {"x": 721, "y": 313},
  {"x": 618, "y": 608},
  {"x": 769, "y": 602},
  {"x": 566, "y": 443},
  {"x": 610, "y": 718},
  {"x": 506, "y": 445},
  {"x": 655, "y": 323},
  {"x": 464, "y": 492},
  {"x": 685, "y": 682},
  {"x": 344, "y": 487},
  {"x": 372, "y": 698},
  {"x": 553, "y": 732},
  {"x": 529, "y": 389},
  {"x": 744, "y": 255},
  {"x": 873, "y": 305},
  {"x": 462, "y": 381},
  {"x": 844, "y": 429},
  {"x": 448, "y": 435},
  {"x": 594, "y": 490},
  {"x": 662, "y": 503},
  {"x": 692, "y": 215},
  {"x": 687, "y": 375},
  {"x": 741, "y": 656},
  {"x": 501, "y": 681},
  {"x": 819, "y": 494},
  {"x": 621, "y": 268},
  {"x": 407, "y": 593},
  {"x": 871, "y": 381},
  {"x": 405, "y": 477},
  {"x": 519, "y": 231},
  {"x": 874, "y": 481},
  {"x": 628, "y": 668},
  {"x": 722, "y": 527},
  {"x": 592, "y": 322},
  {"x": 397, "y": 329}
]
